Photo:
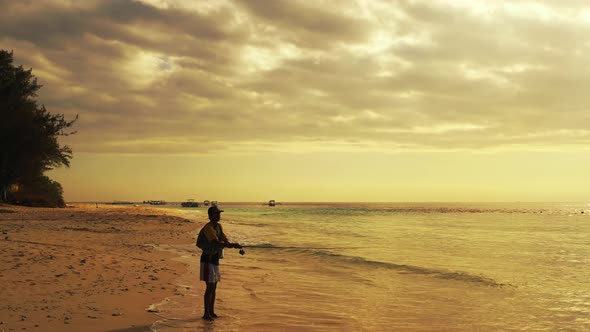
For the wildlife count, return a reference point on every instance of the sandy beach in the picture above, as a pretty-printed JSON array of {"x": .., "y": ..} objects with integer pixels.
[{"x": 87, "y": 267}]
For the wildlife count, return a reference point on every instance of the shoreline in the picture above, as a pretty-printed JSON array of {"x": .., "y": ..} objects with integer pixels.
[{"x": 88, "y": 268}]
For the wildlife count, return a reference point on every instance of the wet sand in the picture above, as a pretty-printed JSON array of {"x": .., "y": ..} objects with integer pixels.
[{"x": 87, "y": 268}]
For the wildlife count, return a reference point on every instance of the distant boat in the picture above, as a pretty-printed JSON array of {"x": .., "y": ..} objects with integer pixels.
[
  {"x": 271, "y": 203},
  {"x": 189, "y": 203},
  {"x": 156, "y": 202},
  {"x": 121, "y": 203}
]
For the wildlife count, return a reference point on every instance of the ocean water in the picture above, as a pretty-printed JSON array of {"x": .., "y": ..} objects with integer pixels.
[{"x": 393, "y": 267}]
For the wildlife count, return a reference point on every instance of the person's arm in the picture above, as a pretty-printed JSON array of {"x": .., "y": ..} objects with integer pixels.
[
  {"x": 232, "y": 245},
  {"x": 225, "y": 243}
]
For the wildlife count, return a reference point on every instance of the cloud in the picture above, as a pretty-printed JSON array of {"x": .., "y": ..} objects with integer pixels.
[
  {"x": 319, "y": 24},
  {"x": 186, "y": 77}
]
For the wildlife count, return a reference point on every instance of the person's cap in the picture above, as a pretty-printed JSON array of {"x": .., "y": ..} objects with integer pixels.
[{"x": 214, "y": 210}]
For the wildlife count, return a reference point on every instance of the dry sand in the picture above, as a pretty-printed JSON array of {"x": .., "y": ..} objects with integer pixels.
[{"x": 87, "y": 268}]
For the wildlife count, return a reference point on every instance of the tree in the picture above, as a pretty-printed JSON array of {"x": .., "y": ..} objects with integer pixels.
[
  {"x": 39, "y": 191},
  {"x": 28, "y": 132}
]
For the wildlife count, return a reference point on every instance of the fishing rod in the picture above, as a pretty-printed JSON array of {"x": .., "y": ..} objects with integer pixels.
[
  {"x": 265, "y": 246},
  {"x": 262, "y": 246}
]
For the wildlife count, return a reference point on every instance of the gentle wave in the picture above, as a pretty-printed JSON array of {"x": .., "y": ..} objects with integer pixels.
[{"x": 402, "y": 268}]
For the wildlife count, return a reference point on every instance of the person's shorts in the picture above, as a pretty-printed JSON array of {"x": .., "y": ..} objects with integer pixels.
[{"x": 210, "y": 272}]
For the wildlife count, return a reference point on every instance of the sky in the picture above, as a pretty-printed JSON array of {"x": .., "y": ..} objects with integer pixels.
[{"x": 343, "y": 100}]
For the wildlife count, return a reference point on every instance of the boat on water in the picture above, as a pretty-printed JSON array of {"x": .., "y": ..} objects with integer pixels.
[
  {"x": 158, "y": 202},
  {"x": 272, "y": 202},
  {"x": 189, "y": 203},
  {"x": 122, "y": 203}
]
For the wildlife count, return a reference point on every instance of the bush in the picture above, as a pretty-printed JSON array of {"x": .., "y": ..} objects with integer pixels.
[{"x": 39, "y": 192}]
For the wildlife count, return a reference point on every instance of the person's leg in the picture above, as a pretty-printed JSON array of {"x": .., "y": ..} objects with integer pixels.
[
  {"x": 205, "y": 277},
  {"x": 209, "y": 298},
  {"x": 212, "y": 307}
]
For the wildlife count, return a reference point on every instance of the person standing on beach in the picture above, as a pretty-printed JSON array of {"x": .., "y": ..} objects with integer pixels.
[{"x": 212, "y": 240}]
